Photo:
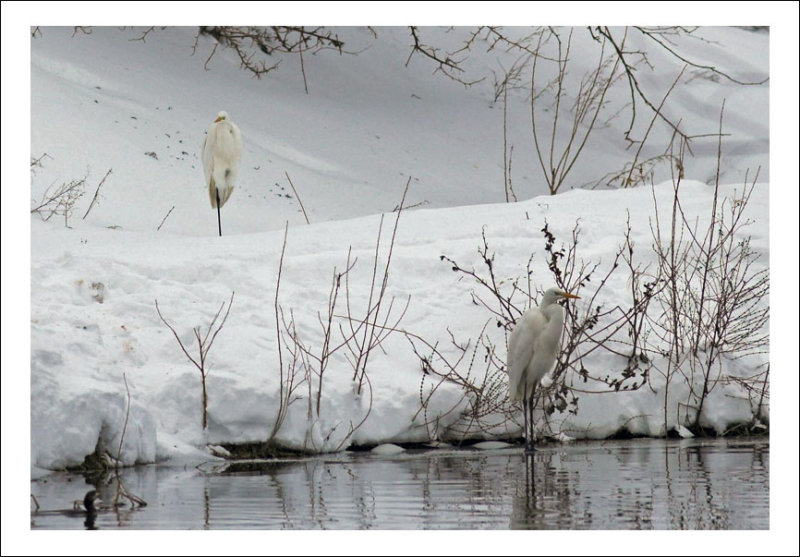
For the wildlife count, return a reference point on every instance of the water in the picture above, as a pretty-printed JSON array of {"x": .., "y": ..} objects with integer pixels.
[{"x": 631, "y": 484}]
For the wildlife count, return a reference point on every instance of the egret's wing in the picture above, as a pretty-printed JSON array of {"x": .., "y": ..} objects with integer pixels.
[
  {"x": 208, "y": 167},
  {"x": 237, "y": 146},
  {"x": 520, "y": 349},
  {"x": 208, "y": 156}
]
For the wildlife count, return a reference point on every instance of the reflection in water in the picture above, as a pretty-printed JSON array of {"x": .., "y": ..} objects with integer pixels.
[
  {"x": 634, "y": 484},
  {"x": 547, "y": 497},
  {"x": 694, "y": 484},
  {"x": 108, "y": 489}
]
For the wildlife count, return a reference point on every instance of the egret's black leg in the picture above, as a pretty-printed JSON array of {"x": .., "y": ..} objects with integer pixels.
[
  {"x": 525, "y": 420},
  {"x": 219, "y": 218},
  {"x": 529, "y": 428},
  {"x": 530, "y": 417},
  {"x": 529, "y": 425}
]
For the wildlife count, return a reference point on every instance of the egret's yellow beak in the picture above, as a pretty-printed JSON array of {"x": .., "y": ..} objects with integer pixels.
[
  {"x": 568, "y": 295},
  {"x": 219, "y": 119}
]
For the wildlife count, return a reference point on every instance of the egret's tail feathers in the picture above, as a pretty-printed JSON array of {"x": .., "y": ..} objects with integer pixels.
[
  {"x": 212, "y": 193},
  {"x": 224, "y": 194},
  {"x": 517, "y": 392}
]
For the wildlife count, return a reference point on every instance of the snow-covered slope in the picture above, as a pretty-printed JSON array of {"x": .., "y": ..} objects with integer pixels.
[
  {"x": 368, "y": 125},
  {"x": 369, "y": 121}
]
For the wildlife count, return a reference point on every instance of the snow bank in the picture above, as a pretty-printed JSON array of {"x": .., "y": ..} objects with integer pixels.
[{"x": 82, "y": 344}]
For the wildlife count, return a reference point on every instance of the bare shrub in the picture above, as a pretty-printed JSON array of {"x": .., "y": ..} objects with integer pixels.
[
  {"x": 204, "y": 344},
  {"x": 57, "y": 200},
  {"x": 587, "y": 104},
  {"x": 713, "y": 305},
  {"x": 576, "y": 105},
  {"x": 356, "y": 336},
  {"x": 589, "y": 327},
  {"x": 60, "y": 200},
  {"x": 288, "y": 382},
  {"x": 121, "y": 491},
  {"x": 478, "y": 371}
]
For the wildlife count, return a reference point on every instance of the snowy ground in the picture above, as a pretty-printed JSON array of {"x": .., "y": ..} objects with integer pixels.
[
  {"x": 368, "y": 124},
  {"x": 118, "y": 101}
]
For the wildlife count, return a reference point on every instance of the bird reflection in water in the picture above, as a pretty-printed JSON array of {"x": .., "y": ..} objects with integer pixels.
[
  {"x": 89, "y": 508},
  {"x": 547, "y": 496},
  {"x": 88, "y": 512}
]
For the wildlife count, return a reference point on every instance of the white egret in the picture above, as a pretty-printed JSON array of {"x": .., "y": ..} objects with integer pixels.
[
  {"x": 222, "y": 153},
  {"x": 532, "y": 351}
]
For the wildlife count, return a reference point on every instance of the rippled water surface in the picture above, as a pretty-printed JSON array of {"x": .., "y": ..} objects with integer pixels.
[{"x": 632, "y": 484}]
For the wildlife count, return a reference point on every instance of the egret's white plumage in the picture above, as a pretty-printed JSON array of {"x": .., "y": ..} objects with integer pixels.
[
  {"x": 222, "y": 154},
  {"x": 533, "y": 349}
]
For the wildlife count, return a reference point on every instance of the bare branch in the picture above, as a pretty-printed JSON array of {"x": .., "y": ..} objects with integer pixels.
[
  {"x": 655, "y": 35},
  {"x": 297, "y": 195},
  {"x": 445, "y": 63},
  {"x": 127, "y": 413},
  {"x": 634, "y": 86},
  {"x": 144, "y": 34},
  {"x": 251, "y": 44},
  {"x": 165, "y": 218},
  {"x": 96, "y": 192}
]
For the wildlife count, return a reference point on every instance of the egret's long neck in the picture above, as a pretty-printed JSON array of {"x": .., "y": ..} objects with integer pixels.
[
  {"x": 555, "y": 326},
  {"x": 555, "y": 313}
]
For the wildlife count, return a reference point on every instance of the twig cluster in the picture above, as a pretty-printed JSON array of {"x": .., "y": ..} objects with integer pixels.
[
  {"x": 447, "y": 63},
  {"x": 60, "y": 200},
  {"x": 476, "y": 368},
  {"x": 251, "y": 44}
]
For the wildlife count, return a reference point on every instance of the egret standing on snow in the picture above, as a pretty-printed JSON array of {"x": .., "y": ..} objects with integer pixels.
[
  {"x": 532, "y": 350},
  {"x": 222, "y": 153}
]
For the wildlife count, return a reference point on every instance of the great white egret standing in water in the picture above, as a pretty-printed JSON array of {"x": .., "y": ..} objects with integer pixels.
[
  {"x": 222, "y": 153},
  {"x": 532, "y": 351}
]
